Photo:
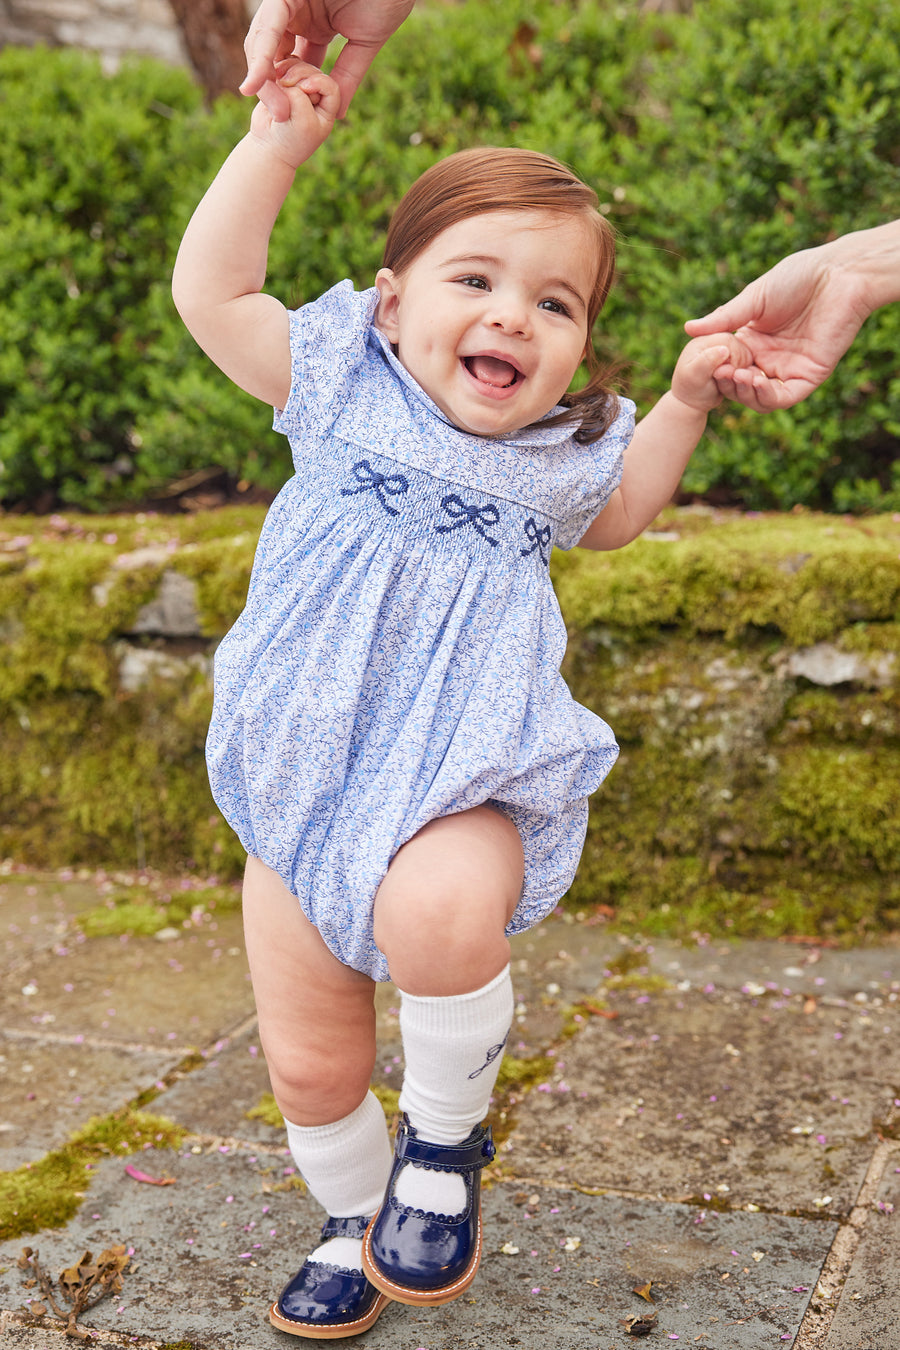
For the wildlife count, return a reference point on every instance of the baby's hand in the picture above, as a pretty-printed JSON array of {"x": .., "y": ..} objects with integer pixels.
[
  {"x": 314, "y": 102},
  {"x": 716, "y": 367}
]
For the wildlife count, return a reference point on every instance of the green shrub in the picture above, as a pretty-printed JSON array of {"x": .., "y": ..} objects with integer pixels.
[
  {"x": 718, "y": 142},
  {"x": 765, "y": 129},
  {"x": 99, "y": 173}
]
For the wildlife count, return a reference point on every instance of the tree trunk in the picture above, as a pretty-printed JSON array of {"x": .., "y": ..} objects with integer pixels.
[{"x": 214, "y": 32}]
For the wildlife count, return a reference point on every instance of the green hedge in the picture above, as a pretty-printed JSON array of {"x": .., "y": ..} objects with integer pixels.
[{"x": 718, "y": 141}]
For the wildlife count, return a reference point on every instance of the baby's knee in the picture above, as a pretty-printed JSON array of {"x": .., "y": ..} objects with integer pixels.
[
  {"x": 441, "y": 912},
  {"x": 314, "y": 1087},
  {"x": 446, "y": 940}
]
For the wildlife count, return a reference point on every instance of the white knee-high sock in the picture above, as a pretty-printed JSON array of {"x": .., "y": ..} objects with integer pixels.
[
  {"x": 345, "y": 1166},
  {"x": 453, "y": 1047}
]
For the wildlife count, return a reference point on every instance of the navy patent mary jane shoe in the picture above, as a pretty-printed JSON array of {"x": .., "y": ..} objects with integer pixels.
[
  {"x": 421, "y": 1258},
  {"x": 322, "y": 1300}
]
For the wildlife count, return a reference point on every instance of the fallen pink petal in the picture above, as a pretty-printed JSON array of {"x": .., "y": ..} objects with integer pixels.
[{"x": 137, "y": 1175}]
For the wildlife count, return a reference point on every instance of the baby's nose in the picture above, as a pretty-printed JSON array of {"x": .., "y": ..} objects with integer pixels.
[{"x": 510, "y": 316}]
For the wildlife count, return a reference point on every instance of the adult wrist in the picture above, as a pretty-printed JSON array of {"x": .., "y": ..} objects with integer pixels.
[{"x": 871, "y": 258}]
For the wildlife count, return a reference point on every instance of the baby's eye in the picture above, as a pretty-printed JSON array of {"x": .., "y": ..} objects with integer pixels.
[
  {"x": 479, "y": 283},
  {"x": 554, "y": 306}
]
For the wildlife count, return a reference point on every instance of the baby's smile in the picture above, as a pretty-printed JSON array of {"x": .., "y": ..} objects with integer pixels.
[{"x": 492, "y": 370}]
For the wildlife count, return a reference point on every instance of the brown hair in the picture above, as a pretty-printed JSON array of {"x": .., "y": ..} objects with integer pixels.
[{"x": 472, "y": 182}]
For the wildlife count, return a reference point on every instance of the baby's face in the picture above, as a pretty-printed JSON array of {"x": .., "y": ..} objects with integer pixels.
[{"x": 491, "y": 317}]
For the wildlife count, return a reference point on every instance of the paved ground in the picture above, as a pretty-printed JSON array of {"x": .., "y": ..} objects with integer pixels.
[{"x": 721, "y": 1122}]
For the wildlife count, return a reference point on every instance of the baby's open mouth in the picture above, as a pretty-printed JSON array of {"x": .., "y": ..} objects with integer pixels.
[{"x": 491, "y": 370}]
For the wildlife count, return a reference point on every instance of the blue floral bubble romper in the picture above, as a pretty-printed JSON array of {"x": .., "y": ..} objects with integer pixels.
[{"x": 398, "y": 657}]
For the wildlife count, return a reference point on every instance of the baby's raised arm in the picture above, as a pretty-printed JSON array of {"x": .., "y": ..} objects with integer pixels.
[
  {"x": 221, "y": 265},
  {"x": 664, "y": 441}
]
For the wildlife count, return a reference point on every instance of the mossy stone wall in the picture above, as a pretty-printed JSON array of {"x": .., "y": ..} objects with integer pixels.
[{"x": 750, "y": 666}]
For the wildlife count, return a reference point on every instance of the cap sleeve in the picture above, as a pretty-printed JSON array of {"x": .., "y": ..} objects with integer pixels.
[
  {"x": 328, "y": 343},
  {"x": 598, "y": 472}
]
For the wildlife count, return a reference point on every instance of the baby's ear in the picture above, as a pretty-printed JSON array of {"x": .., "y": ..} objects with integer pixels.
[{"x": 387, "y": 315}]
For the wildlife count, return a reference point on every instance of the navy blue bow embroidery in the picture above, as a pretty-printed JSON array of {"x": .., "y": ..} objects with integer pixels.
[
  {"x": 367, "y": 477},
  {"x": 462, "y": 514},
  {"x": 540, "y": 539}
]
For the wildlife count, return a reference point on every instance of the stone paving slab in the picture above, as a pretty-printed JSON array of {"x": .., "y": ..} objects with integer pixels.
[
  {"x": 757, "y": 1074},
  {"x": 749, "y": 1101},
  {"x": 587, "y": 950},
  {"x": 858, "y": 975},
  {"x": 868, "y": 1315},
  {"x": 85, "y": 1026},
  {"x": 36, "y": 912},
  {"x": 781, "y": 967},
  {"x": 49, "y": 1089},
  {"x": 216, "y": 1097},
  {"x": 136, "y": 990},
  {"x": 211, "y": 1250}
]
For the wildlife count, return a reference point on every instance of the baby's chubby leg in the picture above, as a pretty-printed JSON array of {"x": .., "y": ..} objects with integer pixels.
[
  {"x": 317, "y": 1027},
  {"x": 439, "y": 918},
  {"x": 316, "y": 1015}
]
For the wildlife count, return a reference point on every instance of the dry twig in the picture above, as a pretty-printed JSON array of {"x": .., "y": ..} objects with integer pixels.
[{"x": 82, "y": 1286}]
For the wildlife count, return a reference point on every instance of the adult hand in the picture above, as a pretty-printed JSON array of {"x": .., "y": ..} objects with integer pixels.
[
  {"x": 798, "y": 319},
  {"x": 304, "y": 28}
]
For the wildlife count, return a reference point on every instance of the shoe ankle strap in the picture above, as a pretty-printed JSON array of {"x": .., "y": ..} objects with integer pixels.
[
  {"x": 351, "y": 1228},
  {"x": 469, "y": 1156}
]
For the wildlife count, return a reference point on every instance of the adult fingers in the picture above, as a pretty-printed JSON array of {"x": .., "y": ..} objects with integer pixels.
[
  {"x": 311, "y": 52},
  {"x": 351, "y": 65},
  {"x": 766, "y": 393},
  {"x": 276, "y": 100},
  {"x": 726, "y": 318},
  {"x": 267, "y": 40}
]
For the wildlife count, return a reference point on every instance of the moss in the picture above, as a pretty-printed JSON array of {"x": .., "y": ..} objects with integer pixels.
[
  {"x": 576, "y": 1014},
  {"x": 47, "y": 1193},
  {"x": 221, "y": 570},
  {"x": 515, "y": 1078},
  {"x": 287, "y": 1185},
  {"x": 141, "y": 911},
  {"x": 188, "y": 1063},
  {"x": 93, "y": 772},
  {"x": 266, "y": 1110},
  {"x": 805, "y": 576},
  {"x": 731, "y": 809},
  {"x": 518, "y": 1075},
  {"x": 60, "y": 633},
  {"x": 717, "y": 1203},
  {"x": 844, "y": 803},
  {"x": 120, "y": 782},
  {"x": 774, "y": 900},
  {"x": 638, "y": 982},
  {"x": 867, "y": 719},
  {"x": 871, "y": 639},
  {"x": 390, "y": 1100},
  {"x": 633, "y": 960}
]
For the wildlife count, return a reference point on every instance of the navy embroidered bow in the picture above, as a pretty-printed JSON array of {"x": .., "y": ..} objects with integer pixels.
[
  {"x": 367, "y": 477},
  {"x": 540, "y": 539},
  {"x": 463, "y": 514}
]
